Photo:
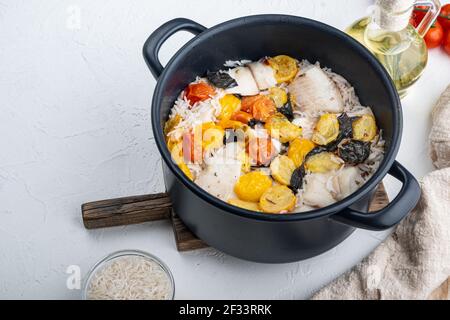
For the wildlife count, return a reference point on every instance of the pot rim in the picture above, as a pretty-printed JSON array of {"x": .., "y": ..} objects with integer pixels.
[{"x": 382, "y": 171}]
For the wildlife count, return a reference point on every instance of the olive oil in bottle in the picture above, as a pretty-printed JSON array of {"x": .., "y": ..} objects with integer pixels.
[{"x": 395, "y": 43}]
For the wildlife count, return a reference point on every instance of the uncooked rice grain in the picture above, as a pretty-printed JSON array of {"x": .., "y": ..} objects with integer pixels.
[{"x": 130, "y": 278}]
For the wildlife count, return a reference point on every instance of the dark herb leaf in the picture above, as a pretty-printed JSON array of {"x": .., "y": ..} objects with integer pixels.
[
  {"x": 333, "y": 145},
  {"x": 345, "y": 131},
  {"x": 221, "y": 79},
  {"x": 287, "y": 111},
  {"x": 297, "y": 178},
  {"x": 316, "y": 150},
  {"x": 354, "y": 152},
  {"x": 345, "y": 125}
]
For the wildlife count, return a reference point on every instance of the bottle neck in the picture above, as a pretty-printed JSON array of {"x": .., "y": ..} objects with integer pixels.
[
  {"x": 387, "y": 32},
  {"x": 392, "y": 15}
]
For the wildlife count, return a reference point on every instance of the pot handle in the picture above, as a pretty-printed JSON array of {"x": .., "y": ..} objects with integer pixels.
[
  {"x": 394, "y": 212},
  {"x": 160, "y": 35}
]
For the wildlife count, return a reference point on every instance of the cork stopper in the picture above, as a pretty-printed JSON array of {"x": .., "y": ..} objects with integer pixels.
[{"x": 393, "y": 15}]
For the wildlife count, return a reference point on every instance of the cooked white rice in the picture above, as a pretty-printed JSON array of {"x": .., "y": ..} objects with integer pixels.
[{"x": 235, "y": 63}]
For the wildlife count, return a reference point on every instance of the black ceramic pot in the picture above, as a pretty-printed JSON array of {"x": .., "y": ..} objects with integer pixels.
[{"x": 265, "y": 237}]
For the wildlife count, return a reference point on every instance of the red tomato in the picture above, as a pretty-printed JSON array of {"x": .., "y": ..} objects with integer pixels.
[
  {"x": 444, "y": 17},
  {"x": 417, "y": 16},
  {"x": 248, "y": 102},
  {"x": 434, "y": 36},
  {"x": 413, "y": 21},
  {"x": 446, "y": 44},
  {"x": 241, "y": 116},
  {"x": 199, "y": 92},
  {"x": 263, "y": 109}
]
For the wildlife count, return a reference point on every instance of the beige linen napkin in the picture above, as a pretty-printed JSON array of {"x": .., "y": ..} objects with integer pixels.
[{"x": 414, "y": 262}]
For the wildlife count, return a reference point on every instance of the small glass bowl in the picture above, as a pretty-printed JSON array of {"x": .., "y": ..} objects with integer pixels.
[{"x": 127, "y": 253}]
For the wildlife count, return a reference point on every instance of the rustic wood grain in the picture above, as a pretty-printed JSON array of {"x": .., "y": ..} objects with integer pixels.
[
  {"x": 125, "y": 211},
  {"x": 184, "y": 238},
  {"x": 379, "y": 199}
]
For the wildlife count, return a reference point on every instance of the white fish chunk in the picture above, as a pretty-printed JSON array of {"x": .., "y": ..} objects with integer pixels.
[
  {"x": 246, "y": 83},
  {"x": 219, "y": 179},
  {"x": 307, "y": 124},
  {"x": 323, "y": 189},
  {"x": 222, "y": 171},
  {"x": 263, "y": 75},
  {"x": 313, "y": 92},
  {"x": 348, "y": 180},
  {"x": 316, "y": 192}
]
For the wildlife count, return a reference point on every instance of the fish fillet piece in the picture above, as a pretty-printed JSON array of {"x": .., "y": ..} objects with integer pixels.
[
  {"x": 222, "y": 171},
  {"x": 219, "y": 179},
  {"x": 246, "y": 83},
  {"x": 323, "y": 189},
  {"x": 313, "y": 92},
  {"x": 263, "y": 75},
  {"x": 347, "y": 180},
  {"x": 316, "y": 191}
]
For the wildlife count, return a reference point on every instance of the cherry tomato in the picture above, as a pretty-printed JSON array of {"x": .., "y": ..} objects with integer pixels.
[
  {"x": 413, "y": 21},
  {"x": 417, "y": 15},
  {"x": 446, "y": 44},
  {"x": 444, "y": 17},
  {"x": 199, "y": 92},
  {"x": 434, "y": 36},
  {"x": 241, "y": 116},
  {"x": 263, "y": 109},
  {"x": 248, "y": 102},
  {"x": 420, "y": 12}
]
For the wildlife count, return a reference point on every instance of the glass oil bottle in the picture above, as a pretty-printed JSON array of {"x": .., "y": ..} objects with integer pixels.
[{"x": 399, "y": 46}]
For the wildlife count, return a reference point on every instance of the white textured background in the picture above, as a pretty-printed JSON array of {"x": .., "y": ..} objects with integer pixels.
[{"x": 75, "y": 127}]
